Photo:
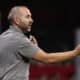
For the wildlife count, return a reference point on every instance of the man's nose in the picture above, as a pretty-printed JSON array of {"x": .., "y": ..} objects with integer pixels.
[{"x": 32, "y": 20}]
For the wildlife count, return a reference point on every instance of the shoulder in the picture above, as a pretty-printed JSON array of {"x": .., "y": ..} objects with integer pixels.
[{"x": 15, "y": 37}]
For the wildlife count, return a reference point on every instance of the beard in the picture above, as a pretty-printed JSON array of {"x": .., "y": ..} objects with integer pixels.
[{"x": 25, "y": 27}]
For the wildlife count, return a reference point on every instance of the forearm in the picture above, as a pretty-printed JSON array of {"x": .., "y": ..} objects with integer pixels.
[
  {"x": 61, "y": 56},
  {"x": 55, "y": 57}
]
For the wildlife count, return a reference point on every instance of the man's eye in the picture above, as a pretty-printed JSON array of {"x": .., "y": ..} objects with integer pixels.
[{"x": 27, "y": 16}]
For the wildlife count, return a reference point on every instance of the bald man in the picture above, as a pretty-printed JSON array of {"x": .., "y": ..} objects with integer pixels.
[{"x": 16, "y": 50}]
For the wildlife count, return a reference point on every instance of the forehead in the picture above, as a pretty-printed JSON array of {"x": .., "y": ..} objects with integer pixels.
[{"x": 24, "y": 11}]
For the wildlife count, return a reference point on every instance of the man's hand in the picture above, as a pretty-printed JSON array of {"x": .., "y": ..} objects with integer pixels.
[
  {"x": 77, "y": 49},
  {"x": 33, "y": 40}
]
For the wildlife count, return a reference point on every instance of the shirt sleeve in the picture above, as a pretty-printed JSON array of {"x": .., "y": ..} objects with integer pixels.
[{"x": 27, "y": 48}]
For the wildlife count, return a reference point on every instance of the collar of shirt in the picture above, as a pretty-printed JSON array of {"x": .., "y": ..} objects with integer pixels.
[{"x": 16, "y": 29}]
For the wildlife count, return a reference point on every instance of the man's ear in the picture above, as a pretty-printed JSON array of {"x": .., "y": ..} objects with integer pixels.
[{"x": 17, "y": 20}]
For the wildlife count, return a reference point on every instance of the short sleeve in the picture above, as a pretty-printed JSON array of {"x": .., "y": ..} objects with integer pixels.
[{"x": 27, "y": 49}]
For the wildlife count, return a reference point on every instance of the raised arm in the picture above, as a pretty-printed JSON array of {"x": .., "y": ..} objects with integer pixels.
[{"x": 55, "y": 57}]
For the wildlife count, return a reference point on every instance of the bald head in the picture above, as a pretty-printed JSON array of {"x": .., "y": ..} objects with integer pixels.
[
  {"x": 21, "y": 17},
  {"x": 16, "y": 12}
]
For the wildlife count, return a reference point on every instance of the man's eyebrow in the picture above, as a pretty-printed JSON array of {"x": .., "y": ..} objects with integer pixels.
[{"x": 28, "y": 15}]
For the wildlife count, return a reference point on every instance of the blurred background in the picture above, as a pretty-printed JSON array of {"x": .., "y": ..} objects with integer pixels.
[{"x": 57, "y": 28}]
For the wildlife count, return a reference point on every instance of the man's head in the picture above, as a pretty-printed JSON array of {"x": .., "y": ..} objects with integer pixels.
[{"x": 21, "y": 17}]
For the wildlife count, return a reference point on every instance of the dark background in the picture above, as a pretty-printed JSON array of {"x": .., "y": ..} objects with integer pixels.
[{"x": 54, "y": 21}]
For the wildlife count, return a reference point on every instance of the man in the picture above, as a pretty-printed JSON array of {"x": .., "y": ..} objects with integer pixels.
[{"x": 16, "y": 50}]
